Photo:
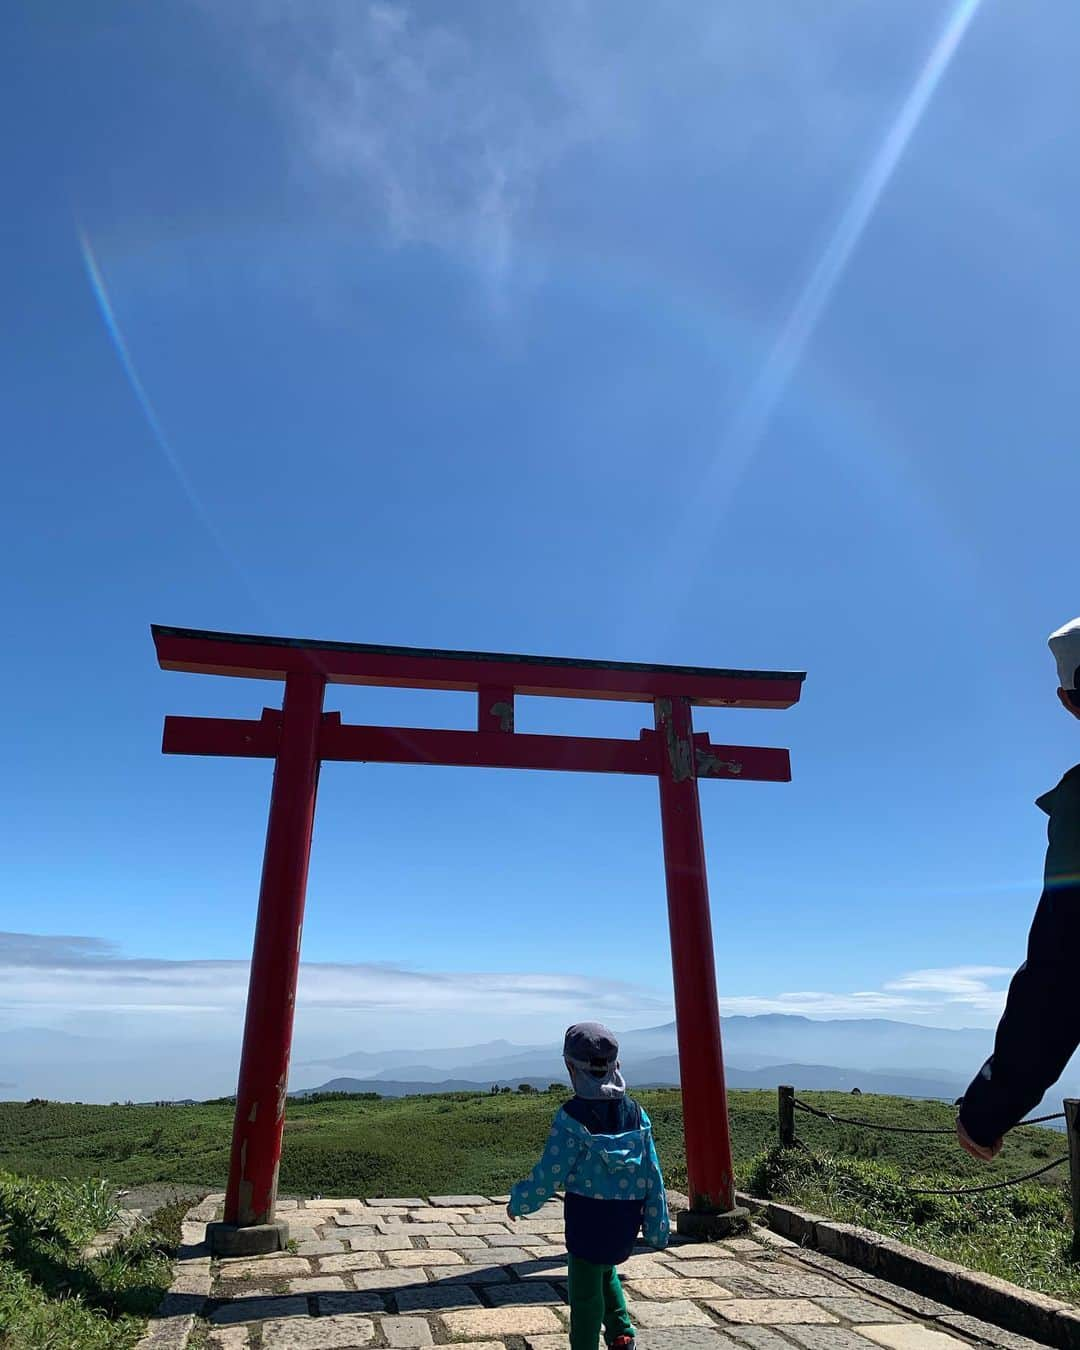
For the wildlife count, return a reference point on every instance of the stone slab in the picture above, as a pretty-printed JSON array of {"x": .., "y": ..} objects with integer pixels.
[
  {"x": 228, "y": 1338},
  {"x": 264, "y": 1268},
  {"x": 771, "y": 1311},
  {"x": 455, "y": 1243},
  {"x": 318, "y": 1333},
  {"x": 426, "y": 1257},
  {"x": 168, "y": 1333},
  {"x": 334, "y": 1265},
  {"x": 911, "y": 1336},
  {"x": 911, "y": 1302},
  {"x": 733, "y": 1275},
  {"x": 856, "y": 1309},
  {"x": 525, "y": 1293},
  {"x": 318, "y": 1284},
  {"x": 684, "y": 1338},
  {"x": 406, "y": 1332},
  {"x": 644, "y": 1267},
  {"x": 826, "y": 1338},
  {"x": 397, "y": 1241},
  {"x": 320, "y": 1247},
  {"x": 661, "y": 1291},
  {"x": 986, "y": 1334},
  {"x": 375, "y": 1280},
  {"x": 772, "y": 1239},
  {"x": 396, "y": 1202},
  {"x": 793, "y": 1282},
  {"x": 546, "y": 1268},
  {"x": 352, "y": 1301},
  {"x": 256, "y": 1309},
  {"x": 763, "y": 1338},
  {"x": 479, "y": 1275},
  {"x": 456, "y": 1201},
  {"x": 695, "y": 1251},
  {"x": 435, "y": 1298},
  {"x": 477, "y": 1322},
  {"x": 675, "y": 1313},
  {"x": 515, "y": 1238}
]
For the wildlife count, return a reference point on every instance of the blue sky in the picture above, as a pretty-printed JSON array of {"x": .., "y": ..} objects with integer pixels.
[{"x": 709, "y": 335}]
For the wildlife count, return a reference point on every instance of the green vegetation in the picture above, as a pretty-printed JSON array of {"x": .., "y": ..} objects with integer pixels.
[
  {"x": 1023, "y": 1234},
  {"x": 51, "y": 1297},
  {"x": 344, "y": 1145},
  {"x": 347, "y": 1145}
]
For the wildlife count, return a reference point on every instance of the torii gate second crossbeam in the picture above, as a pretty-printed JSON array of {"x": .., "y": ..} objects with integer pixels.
[{"x": 300, "y": 735}]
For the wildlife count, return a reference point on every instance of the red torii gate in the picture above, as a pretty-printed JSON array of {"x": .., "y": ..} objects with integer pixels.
[{"x": 300, "y": 735}]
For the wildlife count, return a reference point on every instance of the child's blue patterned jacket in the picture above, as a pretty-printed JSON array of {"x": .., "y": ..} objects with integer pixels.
[{"x": 599, "y": 1167}]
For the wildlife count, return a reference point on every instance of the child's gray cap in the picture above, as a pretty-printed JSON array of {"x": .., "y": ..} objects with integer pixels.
[
  {"x": 1065, "y": 645},
  {"x": 592, "y": 1044}
]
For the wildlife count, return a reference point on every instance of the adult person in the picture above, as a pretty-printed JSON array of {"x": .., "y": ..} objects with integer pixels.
[{"x": 1040, "y": 1027}]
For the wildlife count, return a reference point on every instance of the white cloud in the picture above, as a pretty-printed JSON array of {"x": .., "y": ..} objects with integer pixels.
[
  {"x": 448, "y": 125},
  {"x": 971, "y": 994},
  {"x": 44, "y": 978},
  {"x": 442, "y": 125}
]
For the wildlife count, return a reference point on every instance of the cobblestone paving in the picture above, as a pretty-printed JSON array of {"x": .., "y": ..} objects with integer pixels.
[{"x": 454, "y": 1270}]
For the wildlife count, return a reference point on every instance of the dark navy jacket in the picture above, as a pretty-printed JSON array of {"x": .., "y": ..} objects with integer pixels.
[{"x": 1040, "y": 1027}]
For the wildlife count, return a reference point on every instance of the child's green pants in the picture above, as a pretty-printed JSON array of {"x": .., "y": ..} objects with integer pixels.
[{"x": 596, "y": 1299}]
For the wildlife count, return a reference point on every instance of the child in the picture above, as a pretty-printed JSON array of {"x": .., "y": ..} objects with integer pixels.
[{"x": 601, "y": 1149}]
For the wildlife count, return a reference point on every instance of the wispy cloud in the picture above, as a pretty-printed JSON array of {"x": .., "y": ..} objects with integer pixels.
[
  {"x": 45, "y": 977},
  {"x": 973, "y": 994},
  {"x": 441, "y": 125},
  {"x": 48, "y": 977}
]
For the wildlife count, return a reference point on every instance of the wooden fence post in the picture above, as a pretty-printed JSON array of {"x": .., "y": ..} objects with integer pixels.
[
  {"x": 786, "y": 1106},
  {"x": 1072, "y": 1111}
]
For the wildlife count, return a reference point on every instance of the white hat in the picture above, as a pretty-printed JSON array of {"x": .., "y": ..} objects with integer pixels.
[{"x": 1065, "y": 644}]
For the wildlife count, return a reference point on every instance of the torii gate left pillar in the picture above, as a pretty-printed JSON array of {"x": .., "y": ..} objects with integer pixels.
[{"x": 301, "y": 735}]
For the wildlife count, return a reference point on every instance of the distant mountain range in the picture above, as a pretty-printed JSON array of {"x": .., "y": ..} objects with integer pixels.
[
  {"x": 809, "y": 1077},
  {"x": 875, "y": 1055}
]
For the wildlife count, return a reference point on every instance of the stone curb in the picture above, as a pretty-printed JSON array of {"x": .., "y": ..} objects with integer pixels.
[
  {"x": 1022, "y": 1311},
  {"x": 126, "y": 1221},
  {"x": 174, "y": 1320}
]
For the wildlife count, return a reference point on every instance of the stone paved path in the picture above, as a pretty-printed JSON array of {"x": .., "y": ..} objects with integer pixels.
[{"x": 411, "y": 1272}]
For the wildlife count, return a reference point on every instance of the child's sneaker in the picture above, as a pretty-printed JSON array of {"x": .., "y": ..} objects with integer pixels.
[{"x": 623, "y": 1343}]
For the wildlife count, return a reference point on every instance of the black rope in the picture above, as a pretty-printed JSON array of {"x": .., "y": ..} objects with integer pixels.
[
  {"x": 903, "y": 1129},
  {"x": 870, "y": 1124},
  {"x": 994, "y": 1186}
]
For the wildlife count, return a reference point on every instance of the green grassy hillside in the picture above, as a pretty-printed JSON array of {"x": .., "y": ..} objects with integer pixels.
[
  {"x": 351, "y": 1146},
  {"x": 345, "y": 1146}
]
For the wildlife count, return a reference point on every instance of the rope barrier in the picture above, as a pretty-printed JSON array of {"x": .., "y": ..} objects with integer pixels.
[
  {"x": 993, "y": 1186},
  {"x": 869, "y": 1124},
  {"x": 914, "y": 1129},
  {"x": 904, "y": 1129}
]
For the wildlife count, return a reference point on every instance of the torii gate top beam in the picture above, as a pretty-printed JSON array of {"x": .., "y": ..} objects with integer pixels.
[{"x": 272, "y": 658}]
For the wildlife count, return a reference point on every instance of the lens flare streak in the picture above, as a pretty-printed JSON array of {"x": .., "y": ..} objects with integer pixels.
[
  {"x": 112, "y": 327},
  {"x": 756, "y": 411}
]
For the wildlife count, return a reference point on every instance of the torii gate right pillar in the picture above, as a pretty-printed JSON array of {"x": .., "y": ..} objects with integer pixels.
[{"x": 711, "y": 1180}]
